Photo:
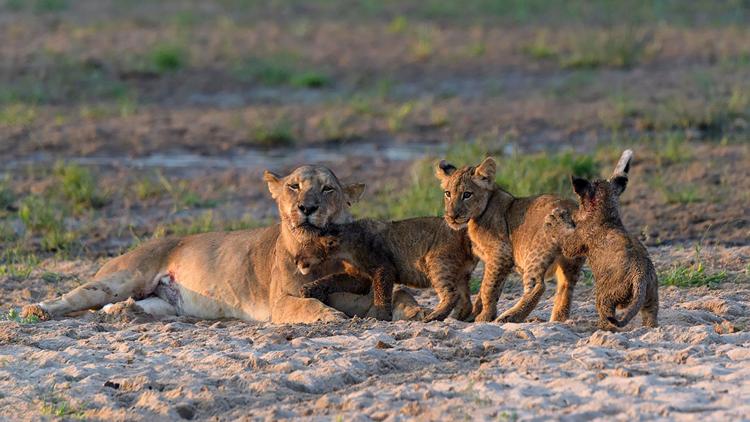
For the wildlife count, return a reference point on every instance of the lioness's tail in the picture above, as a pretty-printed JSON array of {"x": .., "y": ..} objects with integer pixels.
[{"x": 639, "y": 297}]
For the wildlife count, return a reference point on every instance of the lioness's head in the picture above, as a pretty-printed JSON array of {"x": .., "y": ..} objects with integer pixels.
[
  {"x": 314, "y": 252},
  {"x": 311, "y": 197},
  {"x": 600, "y": 199},
  {"x": 466, "y": 190}
]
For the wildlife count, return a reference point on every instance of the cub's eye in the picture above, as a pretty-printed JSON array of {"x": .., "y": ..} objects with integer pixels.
[
  {"x": 467, "y": 195},
  {"x": 293, "y": 186},
  {"x": 447, "y": 194},
  {"x": 327, "y": 189}
]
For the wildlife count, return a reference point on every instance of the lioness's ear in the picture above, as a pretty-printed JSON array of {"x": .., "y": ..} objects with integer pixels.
[
  {"x": 484, "y": 174},
  {"x": 274, "y": 183},
  {"x": 353, "y": 192},
  {"x": 443, "y": 169},
  {"x": 618, "y": 184},
  {"x": 581, "y": 186}
]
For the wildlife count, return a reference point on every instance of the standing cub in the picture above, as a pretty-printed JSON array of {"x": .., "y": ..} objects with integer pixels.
[
  {"x": 506, "y": 231},
  {"x": 423, "y": 251},
  {"x": 624, "y": 274}
]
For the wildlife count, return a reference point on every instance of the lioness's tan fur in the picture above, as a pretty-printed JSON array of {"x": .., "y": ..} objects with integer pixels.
[
  {"x": 247, "y": 274},
  {"x": 506, "y": 231}
]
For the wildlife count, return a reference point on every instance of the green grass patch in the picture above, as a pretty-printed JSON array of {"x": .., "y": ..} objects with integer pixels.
[
  {"x": 281, "y": 69},
  {"x": 475, "y": 284},
  {"x": 78, "y": 186},
  {"x": 520, "y": 174},
  {"x": 206, "y": 222},
  {"x": 13, "y": 315},
  {"x": 17, "y": 264},
  {"x": 46, "y": 219},
  {"x": 56, "y": 406},
  {"x": 168, "y": 58},
  {"x": 274, "y": 134},
  {"x": 17, "y": 114},
  {"x": 692, "y": 276}
]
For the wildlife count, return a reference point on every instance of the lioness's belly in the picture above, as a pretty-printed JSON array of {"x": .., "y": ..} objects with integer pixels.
[{"x": 206, "y": 304}]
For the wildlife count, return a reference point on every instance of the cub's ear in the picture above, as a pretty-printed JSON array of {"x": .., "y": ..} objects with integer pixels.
[
  {"x": 353, "y": 192},
  {"x": 581, "y": 186},
  {"x": 275, "y": 185},
  {"x": 618, "y": 184},
  {"x": 484, "y": 173},
  {"x": 443, "y": 169}
]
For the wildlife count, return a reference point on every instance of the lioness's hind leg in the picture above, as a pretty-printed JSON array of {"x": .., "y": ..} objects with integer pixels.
[{"x": 111, "y": 288}]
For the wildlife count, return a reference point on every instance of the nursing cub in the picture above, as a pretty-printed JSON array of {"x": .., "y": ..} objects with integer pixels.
[
  {"x": 417, "y": 252},
  {"x": 624, "y": 274}
]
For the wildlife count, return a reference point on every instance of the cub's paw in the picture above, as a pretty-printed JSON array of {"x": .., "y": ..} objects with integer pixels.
[
  {"x": 436, "y": 315},
  {"x": 313, "y": 291},
  {"x": 35, "y": 310},
  {"x": 558, "y": 217},
  {"x": 509, "y": 318},
  {"x": 380, "y": 313},
  {"x": 485, "y": 317}
]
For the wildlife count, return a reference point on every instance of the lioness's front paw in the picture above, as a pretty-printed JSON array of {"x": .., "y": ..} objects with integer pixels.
[
  {"x": 332, "y": 315},
  {"x": 35, "y": 310}
]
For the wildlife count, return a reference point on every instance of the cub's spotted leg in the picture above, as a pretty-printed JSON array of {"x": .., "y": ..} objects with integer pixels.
[
  {"x": 543, "y": 253},
  {"x": 496, "y": 271},
  {"x": 443, "y": 277},
  {"x": 567, "y": 273},
  {"x": 110, "y": 288},
  {"x": 650, "y": 310},
  {"x": 462, "y": 310}
]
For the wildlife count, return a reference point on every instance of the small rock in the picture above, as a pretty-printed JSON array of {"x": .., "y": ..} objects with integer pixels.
[{"x": 383, "y": 345}]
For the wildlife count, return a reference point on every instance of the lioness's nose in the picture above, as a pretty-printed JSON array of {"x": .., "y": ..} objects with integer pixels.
[{"x": 307, "y": 209}]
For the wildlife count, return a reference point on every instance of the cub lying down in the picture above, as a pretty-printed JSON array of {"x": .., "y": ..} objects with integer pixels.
[
  {"x": 368, "y": 267},
  {"x": 624, "y": 274},
  {"x": 418, "y": 252}
]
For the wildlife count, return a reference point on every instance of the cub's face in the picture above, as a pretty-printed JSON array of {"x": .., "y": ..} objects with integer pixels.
[
  {"x": 315, "y": 252},
  {"x": 599, "y": 199},
  {"x": 311, "y": 197},
  {"x": 465, "y": 190}
]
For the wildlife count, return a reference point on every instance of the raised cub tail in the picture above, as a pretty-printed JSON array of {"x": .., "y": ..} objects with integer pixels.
[{"x": 639, "y": 297}]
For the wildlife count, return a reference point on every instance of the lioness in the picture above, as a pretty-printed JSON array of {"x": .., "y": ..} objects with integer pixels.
[
  {"x": 418, "y": 252},
  {"x": 246, "y": 274},
  {"x": 506, "y": 231},
  {"x": 624, "y": 274}
]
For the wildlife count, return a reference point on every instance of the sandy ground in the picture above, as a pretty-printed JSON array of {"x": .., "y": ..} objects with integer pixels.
[{"x": 129, "y": 367}]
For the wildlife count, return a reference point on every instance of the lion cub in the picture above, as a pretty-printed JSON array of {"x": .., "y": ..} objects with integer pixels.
[
  {"x": 423, "y": 252},
  {"x": 625, "y": 276},
  {"x": 368, "y": 266},
  {"x": 506, "y": 232}
]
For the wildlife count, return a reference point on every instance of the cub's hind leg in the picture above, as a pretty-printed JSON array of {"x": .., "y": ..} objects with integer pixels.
[
  {"x": 535, "y": 265},
  {"x": 462, "y": 310},
  {"x": 650, "y": 310},
  {"x": 567, "y": 273}
]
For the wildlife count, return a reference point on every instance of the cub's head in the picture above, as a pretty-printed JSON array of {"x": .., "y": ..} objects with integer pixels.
[
  {"x": 600, "y": 200},
  {"x": 315, "y": 252},
  {"x": 311, "y": 197},
  {"x": 465, "y": 190}
]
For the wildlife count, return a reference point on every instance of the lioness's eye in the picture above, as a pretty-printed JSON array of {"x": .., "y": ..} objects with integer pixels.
[
  {"x": 447, "y": 194},
  {"x": 327, "y": 189},
  {"x": 293, "y": 186},
  {"x": 467, "y": 195}
]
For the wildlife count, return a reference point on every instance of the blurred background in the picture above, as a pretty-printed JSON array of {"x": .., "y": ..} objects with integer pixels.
[{"x": 126, "y": 120}]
